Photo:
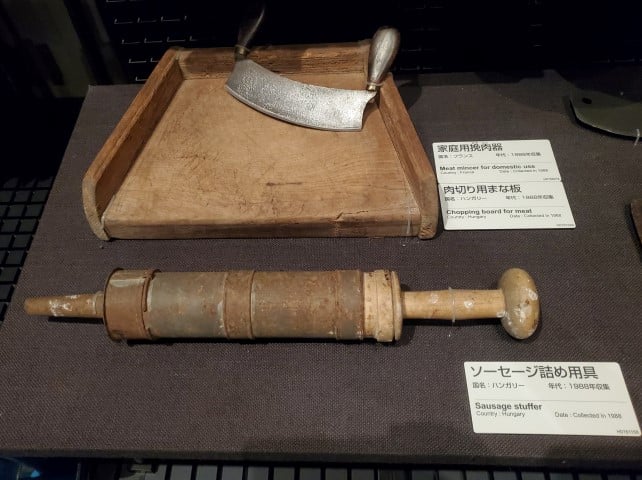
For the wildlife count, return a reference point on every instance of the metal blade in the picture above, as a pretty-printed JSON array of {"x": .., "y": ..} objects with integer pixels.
[
  {"x": 610, "y": 113},
  {"x": 295, "y": 102}
]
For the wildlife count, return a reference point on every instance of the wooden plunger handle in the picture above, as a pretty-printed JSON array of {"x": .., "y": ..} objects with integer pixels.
[
  {"x": 343, "y": 304},
  {"x": 453, "y": 304},
  {"x": 516, "y": 302}
]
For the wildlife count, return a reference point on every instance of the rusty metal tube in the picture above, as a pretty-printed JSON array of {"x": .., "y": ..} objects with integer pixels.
[{"x": 344, "y": 305}]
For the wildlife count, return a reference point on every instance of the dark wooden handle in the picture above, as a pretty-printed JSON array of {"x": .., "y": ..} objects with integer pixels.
[{"x": 250, "y": 23}]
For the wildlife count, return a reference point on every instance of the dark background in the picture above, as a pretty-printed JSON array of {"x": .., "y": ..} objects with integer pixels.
[
  {"x": 118, "y": 41},
  {"x": 50, "y": 51}
]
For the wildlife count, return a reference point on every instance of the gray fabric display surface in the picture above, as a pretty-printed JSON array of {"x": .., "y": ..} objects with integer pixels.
[{"x": 66, "y": 389}]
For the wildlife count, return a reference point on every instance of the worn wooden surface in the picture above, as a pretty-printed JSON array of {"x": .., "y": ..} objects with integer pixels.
[
  {"x": 283, "y": 59},
  {"x": 412, "y": 156},
  {"x": 111, "y": 165},
  {"x": 209, "y": 166}
]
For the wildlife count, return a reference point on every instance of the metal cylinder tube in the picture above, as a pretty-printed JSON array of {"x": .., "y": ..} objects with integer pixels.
[{"x": 344, "y": 305}]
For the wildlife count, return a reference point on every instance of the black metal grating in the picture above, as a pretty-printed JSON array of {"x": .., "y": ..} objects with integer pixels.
[
  {"x": 141, "y": 31},
  {"x": 34, "y": 143},
  {"x": 21, "y": 204},
  {"x": 437, "y": 35},
  {"x": 96, "y": 470}
]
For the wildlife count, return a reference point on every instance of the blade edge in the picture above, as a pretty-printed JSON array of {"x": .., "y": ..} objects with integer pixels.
[{"x": 295, "y": 102}]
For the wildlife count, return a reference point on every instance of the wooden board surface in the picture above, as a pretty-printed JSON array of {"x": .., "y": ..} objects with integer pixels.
[
  {"x": 243, "y": 170},
  {"x": 210, "y": 166}
]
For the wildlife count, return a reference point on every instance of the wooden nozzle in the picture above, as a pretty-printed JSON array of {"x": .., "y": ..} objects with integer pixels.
[
  {"x": 516, "y": 302},
  {"x": 88, "y": 305}
]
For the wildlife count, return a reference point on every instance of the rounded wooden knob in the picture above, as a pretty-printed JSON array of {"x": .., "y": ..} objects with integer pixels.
[{"x": 521, "y": 314}]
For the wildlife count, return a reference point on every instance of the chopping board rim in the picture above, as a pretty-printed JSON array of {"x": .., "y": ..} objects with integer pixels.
[{"x": 120, "y": 152}]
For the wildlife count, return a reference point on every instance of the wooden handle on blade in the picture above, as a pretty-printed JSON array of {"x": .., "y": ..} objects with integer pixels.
[
  {"x": 383, "y": 50},
  {"x": 253, "y": 17}
]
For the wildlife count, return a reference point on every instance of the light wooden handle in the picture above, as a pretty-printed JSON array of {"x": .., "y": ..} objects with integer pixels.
[
  {"x": 516, "y": 302},
  {"x": 453, "y": 304}
]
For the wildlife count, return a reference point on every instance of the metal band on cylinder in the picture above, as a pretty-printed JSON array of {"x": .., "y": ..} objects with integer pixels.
[
  {"x": 344, "y": 305},
  {"x": 124, "y": 304}
]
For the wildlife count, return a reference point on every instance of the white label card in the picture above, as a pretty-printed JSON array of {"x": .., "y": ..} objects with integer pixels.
[
  {"x": 492, "y": 206},
  {"x": 508, "y": 184},
  {"x": 495, "y": 161},
  {"x": 556, "y": 398}
]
